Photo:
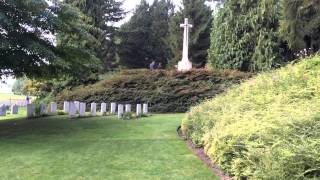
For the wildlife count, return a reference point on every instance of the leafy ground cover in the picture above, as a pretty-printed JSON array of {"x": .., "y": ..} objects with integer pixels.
[
  {"x": 165, "y": 91},
  {"x": 97, "y": 148},
  {"x": 267, "y": 128}
]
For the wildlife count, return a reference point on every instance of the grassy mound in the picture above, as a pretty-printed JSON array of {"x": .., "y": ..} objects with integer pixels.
[
  {"x": 267, "y": 128},
  {"x": 165, "y": 91}
]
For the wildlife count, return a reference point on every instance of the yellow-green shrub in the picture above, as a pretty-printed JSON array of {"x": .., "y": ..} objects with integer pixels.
[{"x": 267, "y": 128}]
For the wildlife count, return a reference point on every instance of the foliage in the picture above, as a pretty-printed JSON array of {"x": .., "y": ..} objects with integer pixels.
[
  {"x": 144, "y": 38},
  {"x": 300, "y": 24},
  {"x": 267, "y": 128},
  {"x": 18, "y": 86},
  {"x": 245, "y": 36},
  {"x": 166, "y": 91},
  {"x": 27, "y": 46},
  {"x": 200, "y": 16},
  {"x": 56, "y": 148},
  {"x": 103, "y": 13}
]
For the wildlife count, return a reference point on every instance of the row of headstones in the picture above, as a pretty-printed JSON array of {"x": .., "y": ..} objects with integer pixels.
[
  {"x": 3, "y": 109},
  {"x": 76, "y": 107}
]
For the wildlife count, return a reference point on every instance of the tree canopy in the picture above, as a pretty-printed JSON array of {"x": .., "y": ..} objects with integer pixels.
[
  {"x": 245, "y": 36},
  {"x": 28, "y": 45}
]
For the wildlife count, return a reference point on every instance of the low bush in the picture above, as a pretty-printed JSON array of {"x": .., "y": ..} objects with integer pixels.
[
  {"x": 267, "y": 128},
  {"x": 165, "y": 91}
]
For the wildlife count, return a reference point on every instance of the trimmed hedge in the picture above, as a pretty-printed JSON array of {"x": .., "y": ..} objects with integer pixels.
[
  {"x": 267, "y": 128},
  {"x": 165, "y": 91}
]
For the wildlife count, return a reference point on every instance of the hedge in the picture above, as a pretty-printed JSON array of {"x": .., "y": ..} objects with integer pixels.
[
  {"x": 165, "y": 91},
  {"x": 266, "y": 128}
]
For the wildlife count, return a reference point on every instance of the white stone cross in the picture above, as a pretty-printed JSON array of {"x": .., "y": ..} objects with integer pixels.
[{"x": 185, "y": 64}]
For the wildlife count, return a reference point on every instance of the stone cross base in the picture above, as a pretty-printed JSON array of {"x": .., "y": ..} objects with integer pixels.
[{"x": 184, "y": 66}]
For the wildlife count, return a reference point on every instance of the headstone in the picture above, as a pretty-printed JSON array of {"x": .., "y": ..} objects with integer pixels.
[
  {"x": 113, "y": 108},
  {"x": 14, "y": 109},
  {"x": 120, "y": 111},
  {"x": 31, "y": 110},
  {"x": 185, "y": 64},
  {"x": 139, "y": 110},
  {"x": 77, "y": 104},
  {"x": 3, "y": 110},
  {"x": 93, "y": 109},
  {"x": 128, "y": 108},
  {"x": 145, "y": 108},
  {"x": 103, "y": 108},
  {"x": 66, "y": 105},
  {"x": 82, "y": 109},
  {"x": 53, "y": 107},
  {"x": 72, "y": 110},
  {"x": 43, "y": 109}
]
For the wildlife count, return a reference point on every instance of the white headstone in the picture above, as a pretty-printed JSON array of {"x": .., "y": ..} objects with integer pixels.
[
  {"x": 82, "y": 110},
  {"x": 31, "y": 110},
  {"x": 139, "y": 110},
  {"x": 72, "y": 110},
  {"x": 3, "y": 110},
  {"x": 53, "y": 107},
  {"x": 43, "y": 109},
  {"x": 103, "y": 108},
  {"x": 128, "y": 108},
  {"x": 120, "y": 111},
  {"x": 77, "y": 104},
  {"x": 14, "y": 109},
  {"x": 185, "y": 64},
  {"x": 145, "y": 108},
  {"x": 93, "y": 109},
  {"x": 113, "y": 108},
  {"x": 66, "y": 105}
]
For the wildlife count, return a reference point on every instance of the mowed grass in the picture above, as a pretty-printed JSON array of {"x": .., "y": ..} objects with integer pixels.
[
  {"x": 22, "y": 113},
  {"x": 8, "y": 96},
  {"x": 97, "y": 148}
]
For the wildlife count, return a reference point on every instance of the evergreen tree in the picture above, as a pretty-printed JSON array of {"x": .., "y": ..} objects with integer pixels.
[
  {"x": 26, "y": 45},
  {"x": 245, "y": 36},
  {"x": 144, "y": 38},
  {"x": 300, "y": 25},
  {"x": 103, "y": 13},
  {"x": 200, "y": 16}
]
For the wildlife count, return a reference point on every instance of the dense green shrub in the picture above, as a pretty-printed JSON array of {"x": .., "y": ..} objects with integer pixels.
[
  {"x": 267, "y": 128},
  {"x": 245, "y": 36},
  {"x": 165, "y": 91}
]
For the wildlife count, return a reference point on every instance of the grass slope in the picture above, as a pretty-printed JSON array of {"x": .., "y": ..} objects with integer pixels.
[
  {"x": 8, "y": 96},
  {"x": 267, "y": 128},
  {"x": 97, "y": 148}
]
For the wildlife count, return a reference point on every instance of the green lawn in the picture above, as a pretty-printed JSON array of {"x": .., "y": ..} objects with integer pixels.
[
  {"x": 7, "y": 96},
  {"x": 97, "y": 148}
]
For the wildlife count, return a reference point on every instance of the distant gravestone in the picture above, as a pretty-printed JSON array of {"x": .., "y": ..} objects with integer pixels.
[
  {"x": 53, "y": 107},
  {"x": 3, "y": 110},
  {"x": 43, "y": 109},
  {"x": 103, "y": 108},
  {"x": 93, "y": 109},
  {"x": 14, "y": 109},
  {"x": 77, "y": 104},
  {"x": 113, "y": 108},
  {"x": 139, "y": 110},
  {"x": 82, "y": 109},
  {"x": 120, "y": 111},
  {"x": 145, "y": 109},
  {"x": 72, "y": 110},
  {"x": 31, "y": 110},
  {"x": 66, "y": 106},
  {"x": 128, "y": 108}
]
